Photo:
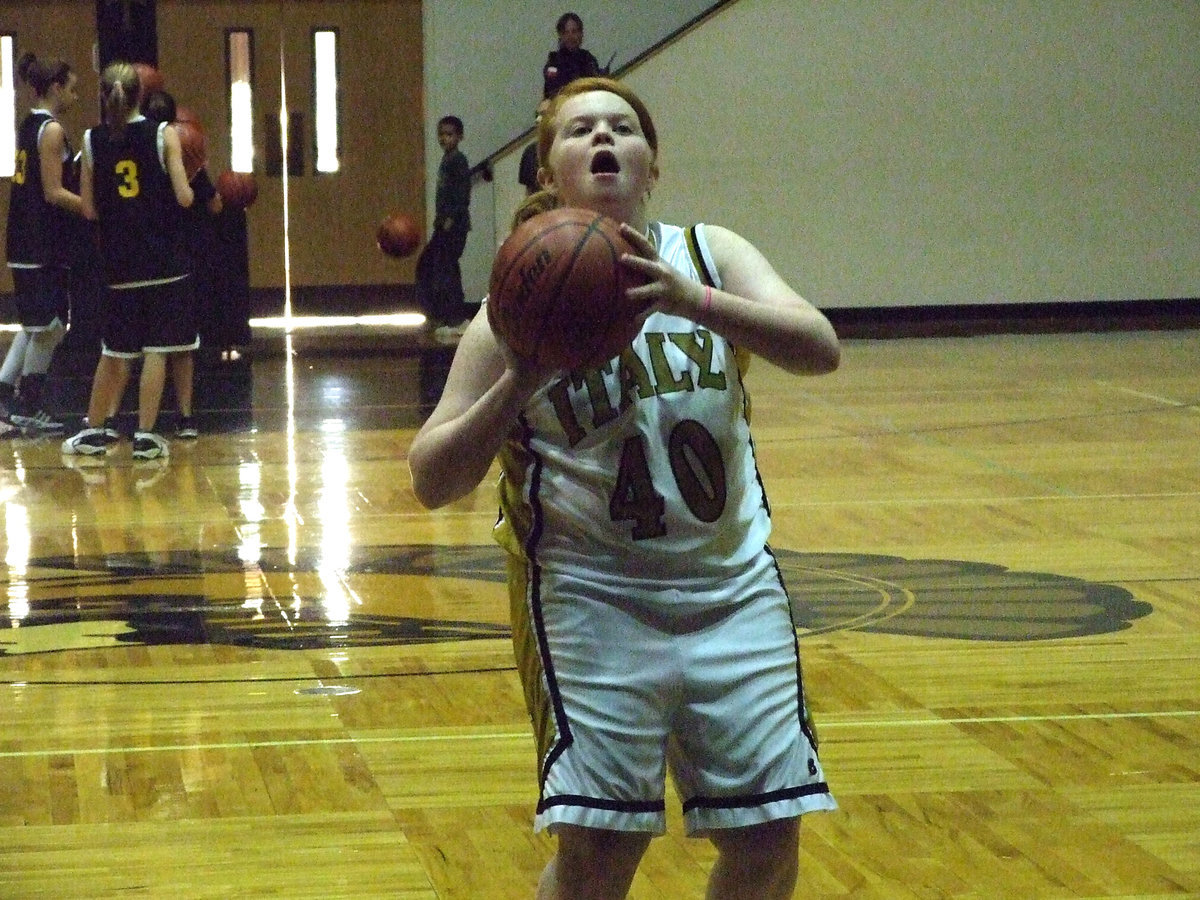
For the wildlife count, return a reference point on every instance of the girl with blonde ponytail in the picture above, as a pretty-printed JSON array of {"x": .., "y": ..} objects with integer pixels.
[
  {"x": 120, "y": 94},
  {"x": 134, "y": 185}
]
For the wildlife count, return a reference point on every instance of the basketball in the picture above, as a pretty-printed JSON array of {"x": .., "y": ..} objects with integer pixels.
[
  {"x": 557, "y": 291},
  {"x": 237, "y": 189},
  {"x": 151, "y": 79},
  {"x": 186, "y": 114},
  {"x": 398, "y": 235},
  {"x": 195, "y": 152}
]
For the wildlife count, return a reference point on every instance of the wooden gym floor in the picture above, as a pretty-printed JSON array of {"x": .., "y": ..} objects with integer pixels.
[{"x": 260, "y": 669}]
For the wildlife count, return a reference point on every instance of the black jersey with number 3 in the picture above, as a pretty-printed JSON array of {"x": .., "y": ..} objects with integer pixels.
[{"x": 140, "y": 219}]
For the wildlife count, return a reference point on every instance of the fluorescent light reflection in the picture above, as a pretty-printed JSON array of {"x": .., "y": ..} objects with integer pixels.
[
  {"x": 19, "y": 543},
  {"x": 286, "y": 323},
  {"x": 337, "y": 599}
]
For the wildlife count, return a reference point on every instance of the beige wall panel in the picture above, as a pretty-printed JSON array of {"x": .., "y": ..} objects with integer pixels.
[{"x": 332, "y": 218}]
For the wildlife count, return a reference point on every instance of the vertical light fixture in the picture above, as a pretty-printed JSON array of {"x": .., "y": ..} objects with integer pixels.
[
  {"x": 239, "y": 52},
  {"x": 8, "y": 107},
  {"x": 325, "y": 97},
  {"x": 287, "y": 243}
]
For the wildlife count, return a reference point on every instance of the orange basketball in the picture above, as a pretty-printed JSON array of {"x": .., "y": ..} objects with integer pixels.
[
  {"x": 398, "y": 235},
  {"x": 151, "y": 79},
  {"x": 195, "y": 151},
  {"x": 557, "y": 293},
  {"x": 237, "y": 188}
]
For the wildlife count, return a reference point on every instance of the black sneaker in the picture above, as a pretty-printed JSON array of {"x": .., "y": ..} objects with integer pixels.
[
  {"x": 37, "y": 422},
  {"x": 148, "y": 445},
  {"x": 111, "y": 433},
  {"x": 88, "y": 442},
  {"x": 187, "y": 428}
]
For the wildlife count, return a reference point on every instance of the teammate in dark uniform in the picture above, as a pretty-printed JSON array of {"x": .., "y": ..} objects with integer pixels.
[
  {"x": 42, "y": 205},
  {"x": 134, "y": 184}
]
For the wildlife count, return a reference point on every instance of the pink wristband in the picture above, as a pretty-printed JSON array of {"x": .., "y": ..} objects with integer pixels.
[{"x": 707, "y": 297}]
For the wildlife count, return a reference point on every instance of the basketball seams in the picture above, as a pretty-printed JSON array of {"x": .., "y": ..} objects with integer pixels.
[
  {"x": 563, "y": 307},
  {"x": 545, "y": 310},
  {"x": 571, "y": 324},
  {"x": 600, "y": 335}
]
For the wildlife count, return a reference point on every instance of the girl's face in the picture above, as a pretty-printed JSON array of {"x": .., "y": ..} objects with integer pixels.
[
  {"x": 600, "y": 159},
  {"x": 64, "y": 95}
]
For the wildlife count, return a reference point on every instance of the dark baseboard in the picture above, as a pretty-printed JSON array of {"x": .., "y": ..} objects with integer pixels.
[{"x": 1015, "y": 318}]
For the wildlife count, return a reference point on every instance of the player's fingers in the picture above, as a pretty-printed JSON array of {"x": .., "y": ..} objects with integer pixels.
[
  {"x": 649, "y": 269},
  {"x": 639, "y": 241}
]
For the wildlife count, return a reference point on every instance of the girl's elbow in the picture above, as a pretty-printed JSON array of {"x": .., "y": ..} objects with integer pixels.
[
  {"x": 425, "y": 489},
  {"x": 429, "y": 486},
  {"x": 828, "y": 359}
]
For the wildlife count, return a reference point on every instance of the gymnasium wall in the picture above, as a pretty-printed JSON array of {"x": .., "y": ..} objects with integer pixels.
[
  {"x": 332, "y": 217},
  {"x": 888, "y": 153},
  {"x": 883, "y": 153}
]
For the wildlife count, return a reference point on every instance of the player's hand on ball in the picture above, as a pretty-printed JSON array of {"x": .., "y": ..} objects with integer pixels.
[
  {"x": 666, "y": 288},
  {"x": 529, "y": 373}
]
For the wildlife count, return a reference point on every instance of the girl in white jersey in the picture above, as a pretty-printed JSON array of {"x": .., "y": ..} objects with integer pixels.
[{"x": 650, "y": 622}]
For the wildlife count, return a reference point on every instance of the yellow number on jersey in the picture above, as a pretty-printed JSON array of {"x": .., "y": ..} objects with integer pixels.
[
  {"x": 127, "y": 171},
  {"x": 22, "y": 162}
]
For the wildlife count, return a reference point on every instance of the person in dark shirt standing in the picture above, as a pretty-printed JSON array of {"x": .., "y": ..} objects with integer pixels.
[
  {"x": 42, "y": 205},
  {"x": 570, "y": 60},
  {"x": 439, "y": 275},
  {"x": 134, "y": 185},
  {"x": 197, "y": 236}
]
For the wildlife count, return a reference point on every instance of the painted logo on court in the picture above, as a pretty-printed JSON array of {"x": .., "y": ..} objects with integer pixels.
[{"x": 276, "y": 603}]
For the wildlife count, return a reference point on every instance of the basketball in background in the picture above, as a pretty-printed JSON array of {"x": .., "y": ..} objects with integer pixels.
[
  {"x": 398, "y": 235},
  {"x": 557, "y": 291},
  {"x": 194, "y": 143},
  {"x": 237, "y": 189},
  {"x": 151, "y": 79}
]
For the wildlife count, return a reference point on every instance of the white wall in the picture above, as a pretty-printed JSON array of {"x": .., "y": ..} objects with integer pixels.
[
  {"x": 908, "y": 153},
  {"x": 483, "y": 63}
]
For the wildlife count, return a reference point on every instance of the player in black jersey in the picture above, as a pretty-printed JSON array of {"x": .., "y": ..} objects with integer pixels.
[
  {"x": 42, "y": 205},
  {"x": 134, "y": 185}
]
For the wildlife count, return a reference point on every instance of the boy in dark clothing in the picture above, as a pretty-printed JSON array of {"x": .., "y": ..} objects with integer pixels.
[{"x": 439, "y": 276}]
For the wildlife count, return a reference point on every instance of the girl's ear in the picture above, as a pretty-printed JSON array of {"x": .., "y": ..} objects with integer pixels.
[{"x": 545, "y": 178}]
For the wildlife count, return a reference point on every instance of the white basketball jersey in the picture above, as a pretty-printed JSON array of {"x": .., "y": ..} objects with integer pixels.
[{"x": 641, "y": 473}]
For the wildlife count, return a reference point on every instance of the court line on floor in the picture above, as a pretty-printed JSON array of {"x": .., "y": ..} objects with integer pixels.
[
  {"x": 977, "y": 501},
  {"x": 1166, "y": 401},
  {"x": 824, "y": 724}
]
